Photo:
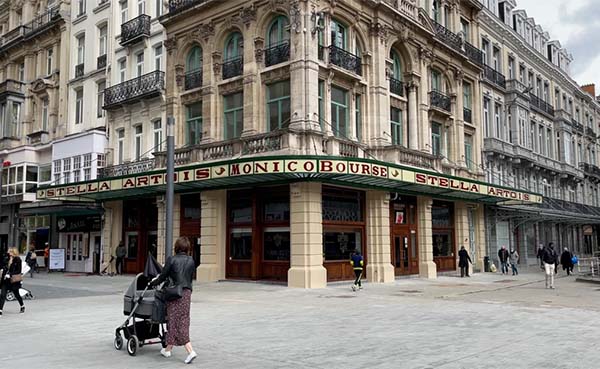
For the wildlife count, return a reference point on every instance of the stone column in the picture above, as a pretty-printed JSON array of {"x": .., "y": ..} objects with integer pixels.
[
  {"x": 427, "y": 268},
  {"x": 459, "y": 135},
  {"x": 425, "y": 127},
  {"x": 476, "y": 115},
  {"x": 461, "y": 220},
  {"x": 306, "y": 231},
  {"x": 480, "y": 239},
  {"x": 379, "y": 267},
  {"x": 251, "y": 81},
  {"x": 413, "y": 116},
  {"x": 112, "y": 232},
  {"x": 213, "y": 236},
  {"x": 161, "y": 226},
  {"x": 379, "y": 90}
]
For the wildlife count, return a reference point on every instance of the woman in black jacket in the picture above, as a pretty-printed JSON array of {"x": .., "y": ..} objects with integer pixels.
[
  {"x": 180, "y": 269},
  {"x": 9, "y": 276},
  {"x": 566, "y": 259}
]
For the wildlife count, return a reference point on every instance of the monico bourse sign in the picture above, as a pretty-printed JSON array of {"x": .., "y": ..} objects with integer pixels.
[{"x": 291, "y": 167}]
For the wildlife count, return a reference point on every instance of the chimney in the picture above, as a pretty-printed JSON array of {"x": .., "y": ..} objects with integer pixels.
[{"x": 590, "y": 89}]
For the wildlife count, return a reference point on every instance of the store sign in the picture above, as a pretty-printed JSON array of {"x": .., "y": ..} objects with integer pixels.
[
  {"x": 256, "y": 167},
  {"x": 78, "y": 224}
]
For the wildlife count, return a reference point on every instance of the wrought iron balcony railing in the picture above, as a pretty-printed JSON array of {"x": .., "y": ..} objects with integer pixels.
[
  {"x": 494, "y": 76},
  {"x": 440, "y": 101},
  {"x": 134, "y": 167},
  {"x": 590, "y": 132},
  {"x": 467, "y": 115},
  {"x": 146, "y": 86},
  {"x": 345, "y": 59},
  {"x": 396, "y": 87},
  {"x": 101, "y": 62},
  {"x": 540, "y": 105},
  {"x": 277, "y": 54},
  {"x": 193, "y": 79},
  {"x": 474, "y": 54},
  {"x": 448, "y": 37},
  {"x": 39, "y": 22},
  {"x": 135, "y": 30},
  {"x": 233, "y": 67},
  {"x": 176, "y": 6},
  {"x": 79, "y": 68}
]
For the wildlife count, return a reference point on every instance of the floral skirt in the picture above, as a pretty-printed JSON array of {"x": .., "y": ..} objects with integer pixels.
[{"x": 178, "y": 326}]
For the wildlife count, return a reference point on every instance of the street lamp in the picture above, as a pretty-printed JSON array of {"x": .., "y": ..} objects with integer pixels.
[{"x": 3, "y": 154}]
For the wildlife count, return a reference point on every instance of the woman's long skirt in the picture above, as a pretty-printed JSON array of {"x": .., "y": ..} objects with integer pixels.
[{"x": 178, "y": 326}]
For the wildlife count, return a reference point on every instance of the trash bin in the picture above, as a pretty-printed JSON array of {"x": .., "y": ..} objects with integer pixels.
[{"x": 486, "y": 263}]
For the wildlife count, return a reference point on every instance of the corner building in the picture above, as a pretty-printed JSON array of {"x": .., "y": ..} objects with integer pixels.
[{"x": 306, "y": 130}]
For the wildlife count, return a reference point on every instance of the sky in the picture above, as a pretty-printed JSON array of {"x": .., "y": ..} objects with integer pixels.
[{"x": 576, "y": 24}]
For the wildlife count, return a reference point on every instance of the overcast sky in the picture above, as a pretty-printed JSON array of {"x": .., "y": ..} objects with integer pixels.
[{"x": 576, "y": 24}]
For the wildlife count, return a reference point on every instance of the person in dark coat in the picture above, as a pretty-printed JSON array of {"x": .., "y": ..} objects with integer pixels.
[
  {"x": 180, "y": 270},
  {"x": 463, "y": 262},
  {"x": 566, "y": 259},
  {"x": 503, "y": 256},
  {"x": 11, "y": 271},
  {"x": 550, "y": 259}
]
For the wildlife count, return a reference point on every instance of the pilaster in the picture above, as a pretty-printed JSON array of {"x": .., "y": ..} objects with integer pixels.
[
  {"x": 427, "y": 268},
  {"x": 213, "y": 236},
  {"x": 379, "y": 267}
]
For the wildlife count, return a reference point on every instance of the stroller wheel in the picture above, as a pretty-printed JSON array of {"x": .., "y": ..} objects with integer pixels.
[
  {"x": 10, "y": 296},
  {"x": 132, "y": 345},
  {"x": 118, "y": 342}
]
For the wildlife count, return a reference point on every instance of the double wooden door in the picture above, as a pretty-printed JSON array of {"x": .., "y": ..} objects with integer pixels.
[{"x": 405, "y": 252}]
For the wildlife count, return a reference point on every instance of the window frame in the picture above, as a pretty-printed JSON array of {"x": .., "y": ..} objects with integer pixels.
[
  {"x": 336, "y": 108},
  {"x": 396, "y": 127},
  {"x": 193, "y": 122},
  {"x": 279, "y": 101},
  {"x": 236, "y": 39},
  {"x": 282, "y": 23},
  {"x": 236, "y": 111}
]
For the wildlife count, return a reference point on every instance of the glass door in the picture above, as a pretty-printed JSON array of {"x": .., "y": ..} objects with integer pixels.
[{"x": 402, "y": 253}]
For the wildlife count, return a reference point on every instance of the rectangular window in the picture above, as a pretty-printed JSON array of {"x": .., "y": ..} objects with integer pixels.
[
  {"x": 396, "y": 126},
  {"x": 234, "y": 115},
  {"x": 339, "y": 111},
  {"x": 469, "y": 151},
  {"x": 122, "y": 69},
  {"x": 278, "y": 105},
  {"x": 541, "y": 144},
  {"x": 102, "y": 41},
  {"x": 467, "y": 93},
  {"x": 100, "y": 99},
  {"x": 141, "y": 7},
  {"x": 76, "y": 162},
  {"x": 100, "y": 160},
  {"x": 496, "y": 59},
  {"x": 120, "y": 145},
  {"x": 497, "y": 123},
  {"x": 466, "y": 29},
  {"x": 49, "y": 57},
  {"x": 140, "y": 64},
  {"x": 22, "y": 72},
  {"x": 338, "y": 35},
  {"x": 194, "y": 123},
  {"x": 436, "y": 139},
  {"x": 511, "y": 67},
  {"x": 123, "y": 6},
  {"x": 87, "y": 160},
  {"x": 159, "y": 8},
  {"x": 158, "y": 134},
  {"x": 137, "y": 144},
  {"x": 81, "y": 7},
  {"x": 76, "y": 175},
  {"x": 485, "y": 46},
  {"x": 87, "y": 174},
  {"x": 158, "y": 52},
  {"x": 80, "y": 49},
  {"x": 486, "y": 116},
  {"x": 549, "y": 136},
  {"x": 45, "y": 114},
  {"x": 321, "y": 103},
  {"x": 358, "y": 116},
  {"x": 79, "y": 106},
  {"x": 436, "y": 81}
]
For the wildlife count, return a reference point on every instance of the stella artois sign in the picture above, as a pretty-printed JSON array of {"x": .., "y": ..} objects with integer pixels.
[{"x": 290, "y": 168}]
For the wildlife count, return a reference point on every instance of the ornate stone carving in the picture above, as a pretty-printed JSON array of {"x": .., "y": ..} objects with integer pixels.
[
  {"x": 216, "y": 56},
  {"x": 259, "y": 43},
  {"x": 426, "y": 55},
  {"x": 179, "y": 74},
  {"x": 379, "y": 30},
  {"x": 204, "y": 31},
  {"x": 295, "y": 17},
  {"x": 170, "y": 44},
  {"x": 248, "y": 15}
]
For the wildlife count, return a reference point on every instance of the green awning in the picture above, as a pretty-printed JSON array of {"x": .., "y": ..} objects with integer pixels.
[{"x": 255, "y": 171}]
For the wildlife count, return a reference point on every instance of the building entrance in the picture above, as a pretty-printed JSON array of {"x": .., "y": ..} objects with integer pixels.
[{"x": 404, "y": 247}]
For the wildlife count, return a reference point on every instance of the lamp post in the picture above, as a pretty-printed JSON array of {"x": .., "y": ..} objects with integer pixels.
[
  {"x": 3, "y": 153},
  {"x": 170, "y": 187}
]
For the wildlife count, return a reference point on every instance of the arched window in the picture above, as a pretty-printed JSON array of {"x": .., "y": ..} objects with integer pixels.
[
  {"x": 194, "y": 60},
  {"x": 234, "y": 46},
  {"x": 396, "y": 65},
  {"x": 278, "y": 31}
]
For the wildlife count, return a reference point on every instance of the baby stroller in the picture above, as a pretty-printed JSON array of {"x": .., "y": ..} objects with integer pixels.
[{"x": 146, "y": 315}]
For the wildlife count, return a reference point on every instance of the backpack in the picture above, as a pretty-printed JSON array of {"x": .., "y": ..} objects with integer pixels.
[{"x": 574, "y": 260}]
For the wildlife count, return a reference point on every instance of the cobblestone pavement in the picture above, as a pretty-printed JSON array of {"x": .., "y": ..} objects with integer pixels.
[{"x": 487, "y": 321}]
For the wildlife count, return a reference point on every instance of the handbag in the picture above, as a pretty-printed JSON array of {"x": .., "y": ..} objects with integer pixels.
[
  {"x": 172, "y": 292},
  {"x": 16, "y": 278}
]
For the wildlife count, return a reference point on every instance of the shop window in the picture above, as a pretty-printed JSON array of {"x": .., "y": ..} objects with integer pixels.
[
  {"x": 342, "y": 205},
  {"x": 442, "y": 229},
  {"x": 240, "y": 244},
  {"x": 343, "y": 226},
  {"x": 339, "y": 244}
]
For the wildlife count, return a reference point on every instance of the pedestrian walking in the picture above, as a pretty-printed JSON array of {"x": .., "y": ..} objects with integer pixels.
[
  {"x": 550, "y": 260},
  {"x": 540, "y": 255},
  {"x": 47, "y": 257},
  {"x": 463, "y": 262},
  {"x": 503, "y": 256},
  {"x": 120, "y": 255},
  {"x": 357, "y": 262},
  {"x": 11, "y": 279},
  {"x": 180, "y": 269},
  {"x": 31, "y": 260},
  {"x": 514, "y": 259},
  {"x": 566, "y": 259}
]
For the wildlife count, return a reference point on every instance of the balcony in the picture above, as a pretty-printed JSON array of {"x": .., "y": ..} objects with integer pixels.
[
  {"x": 128, "y": 92},
  {"x": 407, "y": 7},
  {"x": 590, "y": 169},
  {"x": 134, "y": 167},
  {"x": 514, "y": 85},
  {"x": 233, "y": 67},
  {"x": 448, "y": 38},
  {"x": 495, "y": 145},
  {"x": 101, "y": 62},
  {"x": 176, "y": 6},
  {"x": 404, "y": 156},
  {"x": 79, "y": 70},
  {"x": 561, "y": 114},
  {"x": 467, "y": 115},
  {"x": 39, "y": 23},
  {"x": 494, "y": 76},
  {"x": 12, "y": 87},
  {"x": 440, "y": 101},
  {"x": 396, "y": 87},
  {"x": 277, "y": 54},
  {"x": 345, "y": 60},
  {"x": 135, "y": 30},
  {"x": 474, "y": 54},
  {"x": 577, "y": 126},
  {"x": 540, "y": 105},
  {"x": 590, "y": 132},
  {"x": 193, "y": 79}
]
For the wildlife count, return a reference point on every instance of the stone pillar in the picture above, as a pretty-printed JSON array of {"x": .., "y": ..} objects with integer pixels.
[
  {"x": 413, "y": 117},
  {"x": 161, "y": 226},
  {"x": 213, "y": 236},
  {"x": 477, "y": 117},
  {"x": 306, "y": 231},
  {"x": 461, "y": 220},
  {"x": 425, "y": 127},
  {"x": 379, "y": 267},
  {"x": 480, "y": 239},
  {"x": 459, "y": 132},
  {"x": 427, "y": 268},
  {"x": 379, "y": 113},
  {"x": 251, "y": 81},
  {"x": 112, "y": 231}
]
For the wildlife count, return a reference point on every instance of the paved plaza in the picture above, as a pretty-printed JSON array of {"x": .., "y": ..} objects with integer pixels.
[{"x": 487, "y": 321}]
